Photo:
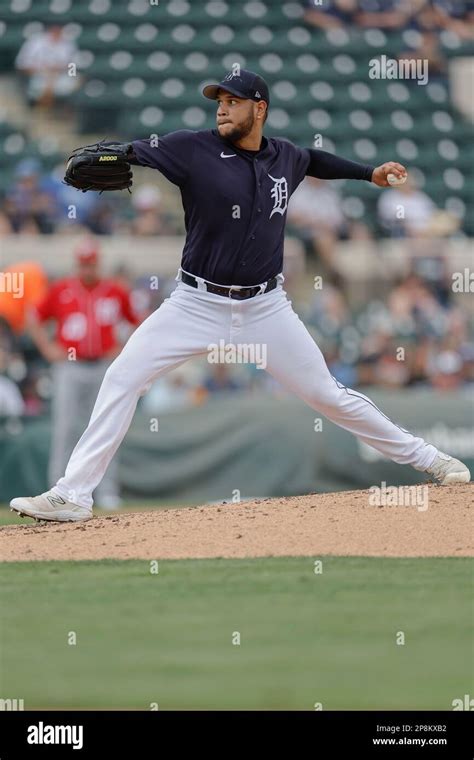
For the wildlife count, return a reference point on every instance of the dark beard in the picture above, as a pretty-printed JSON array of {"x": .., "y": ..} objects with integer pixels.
[{"x": 238, "y": 133}]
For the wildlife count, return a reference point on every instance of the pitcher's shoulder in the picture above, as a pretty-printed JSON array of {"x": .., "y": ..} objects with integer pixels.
[
  {"x": 283, "y": 144},
  {"x": 277, "y": 140},
  {"x": 207, "y": 136},
  {"x": 287, "y": 148}
]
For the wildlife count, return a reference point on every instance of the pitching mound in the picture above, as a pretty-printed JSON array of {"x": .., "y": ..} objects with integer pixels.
[{"x": 345, "y": 523}]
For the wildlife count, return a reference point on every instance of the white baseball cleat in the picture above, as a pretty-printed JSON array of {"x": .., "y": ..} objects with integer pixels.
[
  {"x": 447, "y": 470},
  {"x": 50, "y": 506}
]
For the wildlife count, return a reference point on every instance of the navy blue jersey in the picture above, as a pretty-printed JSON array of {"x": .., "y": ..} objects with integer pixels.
[{"x": 235, "y": 201}]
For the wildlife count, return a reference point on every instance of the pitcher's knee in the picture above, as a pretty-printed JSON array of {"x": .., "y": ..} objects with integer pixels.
[
  {"x": 127, "y": 377},
  {"x": 325, "y": 399}
]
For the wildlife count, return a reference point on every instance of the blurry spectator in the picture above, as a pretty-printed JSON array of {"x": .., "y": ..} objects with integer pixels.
[
  {"x": 220, "y": 380},
  {"x": 445, "y": 367},
  {"x": 68, "y": 198},
  {"x": 123, "y": 276},
  {"x": 428, "y": 49},
  {"x": 104, "y": 216},
  {"x": 147, "y": 292},
  {"x": 331, "y": 13},
  {"x": 364, "y": 349},
  {"x": 101, "y": 217},
  {"x": 30, "y": 283},
  {"x": 383, "y": 14},
  {"x": 339, "y": 366},
  {"x": 149, "y": 218},
  {"x": 406, "y": 211},
  {"x": 381, "y": 362},
  {"x": 170, "y": 392},
  {"x": 466, "y": 352},
  {"x": 91, "y": 212},
  {"x": 33, "y": 403},
  {"x": 145, "y": 297},
  {"x": 5, "y": 226},
  {"x": 315, "y": 210},
  {"x": 390, "y": 371},
  {"x": 430, "y": 265},
  {"x": 44, "y": 58},
  {"x": 413, "y": 308},
  {"x": 11, "y": 402},
  {"x": 456, "y": 16},
  {"x": 422, "y": 16},
  {"x": 328, "y": 311},
  {"x": 28, "y": 205},
  {"x": 87, "y": 309},
  {"x": 7, "y": 338}
]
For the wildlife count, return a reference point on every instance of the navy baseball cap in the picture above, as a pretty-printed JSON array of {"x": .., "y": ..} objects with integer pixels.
[{"x": 245, "y": 84}]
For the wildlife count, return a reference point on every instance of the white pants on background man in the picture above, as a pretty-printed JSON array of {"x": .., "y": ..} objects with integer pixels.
[{"x": 75, "y": 388}]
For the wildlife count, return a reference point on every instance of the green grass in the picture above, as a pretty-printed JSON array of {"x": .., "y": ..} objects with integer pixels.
[{"x": 305, "y": 638}]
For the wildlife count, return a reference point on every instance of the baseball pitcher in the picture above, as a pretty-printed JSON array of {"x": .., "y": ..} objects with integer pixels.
[{"x": 235, "y": 185}]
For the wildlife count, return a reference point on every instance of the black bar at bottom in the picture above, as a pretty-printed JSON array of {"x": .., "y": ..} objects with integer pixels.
[{"x": 134, "y": 734}]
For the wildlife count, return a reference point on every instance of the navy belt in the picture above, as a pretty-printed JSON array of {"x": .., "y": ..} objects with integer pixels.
[{"x": 230, "y": 291}]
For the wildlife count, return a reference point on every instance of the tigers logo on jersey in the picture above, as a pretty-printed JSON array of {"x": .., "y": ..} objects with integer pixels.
[{"x": 279, "y": 194}]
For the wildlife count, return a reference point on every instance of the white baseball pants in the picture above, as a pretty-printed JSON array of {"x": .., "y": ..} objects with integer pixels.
[{"x": 184, "y": 326}]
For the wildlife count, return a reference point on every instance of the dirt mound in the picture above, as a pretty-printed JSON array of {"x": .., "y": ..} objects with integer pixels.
[{"x": 346, "y": 523}]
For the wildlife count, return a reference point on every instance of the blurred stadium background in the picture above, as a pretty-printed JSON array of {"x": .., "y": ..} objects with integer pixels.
[{"x": 75, "y": 72}]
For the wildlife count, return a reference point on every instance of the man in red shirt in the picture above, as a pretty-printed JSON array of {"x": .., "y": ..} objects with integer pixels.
[{"x": 87, "y": 309}]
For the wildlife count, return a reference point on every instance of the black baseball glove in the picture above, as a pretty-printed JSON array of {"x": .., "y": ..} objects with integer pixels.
[{"x": 101, "y": 166}]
